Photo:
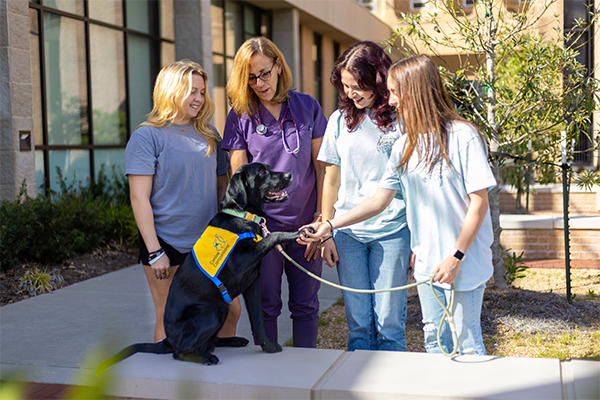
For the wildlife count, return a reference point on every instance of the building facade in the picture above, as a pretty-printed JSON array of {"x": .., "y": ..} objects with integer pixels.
[{"x": 76, "y": 76}]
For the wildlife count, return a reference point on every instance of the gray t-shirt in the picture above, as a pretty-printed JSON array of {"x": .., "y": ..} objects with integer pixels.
[
  {"x": 184, "y": 187},
  {"x": 362, "y": 156}
]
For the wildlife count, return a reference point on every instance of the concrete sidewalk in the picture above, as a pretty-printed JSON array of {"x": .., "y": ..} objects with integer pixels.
[{"x": 49, "y": 338}]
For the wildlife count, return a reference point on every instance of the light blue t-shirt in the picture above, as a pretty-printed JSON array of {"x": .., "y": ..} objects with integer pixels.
[
  {"x": 437, "y": 203},
  {"x": 362, "y": 156},
  {"x": 184, "y": 188}
]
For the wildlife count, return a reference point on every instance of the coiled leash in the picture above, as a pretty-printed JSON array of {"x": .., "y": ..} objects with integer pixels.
[{"x": 446, "y": 316}]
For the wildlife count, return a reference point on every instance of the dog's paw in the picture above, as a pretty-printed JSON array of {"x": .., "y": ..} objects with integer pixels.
[
  {"x": 271, "y": 347},
  {"x": 206, "y": 358},
  {"x": 235, "y": 341}
]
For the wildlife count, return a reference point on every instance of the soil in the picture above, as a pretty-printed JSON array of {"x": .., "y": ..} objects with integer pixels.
[{"x": 104, "y": 259}]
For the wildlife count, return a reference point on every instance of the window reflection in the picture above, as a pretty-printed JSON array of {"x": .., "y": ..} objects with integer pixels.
[
  {"x": 109, "y": 11},
  {"x": 36, "y": 77},
  {"x": 70, "y": 6},
  {"x": 66, "y": 83},
  {"x": 140, "y": 79},
  {"x": 107, "y": 68},
  {"x": 74, "y": 166}
]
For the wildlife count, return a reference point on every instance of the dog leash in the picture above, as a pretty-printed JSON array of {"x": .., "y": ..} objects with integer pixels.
[{"x": 447, "y": 315}]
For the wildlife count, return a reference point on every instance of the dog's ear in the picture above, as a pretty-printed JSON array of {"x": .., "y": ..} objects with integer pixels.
[{"x": 236, "y": 196}]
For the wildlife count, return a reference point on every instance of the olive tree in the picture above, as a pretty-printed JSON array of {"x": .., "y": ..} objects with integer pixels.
[{"x": 516, "y": 76}]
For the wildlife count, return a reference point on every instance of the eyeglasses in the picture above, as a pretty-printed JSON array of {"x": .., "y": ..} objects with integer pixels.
[{"x": 265, "y": 76}]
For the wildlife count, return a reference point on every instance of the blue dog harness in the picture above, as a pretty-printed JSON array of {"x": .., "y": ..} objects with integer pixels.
[{"x": 214, "y": 247}]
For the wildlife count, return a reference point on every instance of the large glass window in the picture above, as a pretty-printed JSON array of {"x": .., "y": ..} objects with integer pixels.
[
  {"x": 107, "y": 71},
  {"x": 66, "y": 84},
  {"x": 233, "y": 22},
  {"x": 94, "y": 63},
  {"x": 583, "y": 41}
]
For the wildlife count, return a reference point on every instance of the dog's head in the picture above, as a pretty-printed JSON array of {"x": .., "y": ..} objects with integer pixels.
[{"x": 253, "y": 185}]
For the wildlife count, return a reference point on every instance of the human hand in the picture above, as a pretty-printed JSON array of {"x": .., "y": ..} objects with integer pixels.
[
  {"x": 329, "y": 253},
  {"x": 313, "y": 250},
  {"x": 161, "y": 267},
  {"x": 447, "y": 270},
  {"x": 320, "y": 229}
]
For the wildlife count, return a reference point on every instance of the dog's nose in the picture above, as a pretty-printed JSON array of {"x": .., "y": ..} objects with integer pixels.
[{"x": 288, "y": 176}]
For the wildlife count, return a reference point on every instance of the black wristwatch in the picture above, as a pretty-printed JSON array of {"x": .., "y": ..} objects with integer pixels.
[{"x": 458, "y": 254}]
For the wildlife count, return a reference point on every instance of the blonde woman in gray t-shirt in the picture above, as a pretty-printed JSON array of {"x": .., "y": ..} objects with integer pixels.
[{"x": 177, "y": 175}]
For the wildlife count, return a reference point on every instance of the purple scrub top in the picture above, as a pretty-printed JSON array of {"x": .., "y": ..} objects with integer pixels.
[{"x": 240, "y": 134}]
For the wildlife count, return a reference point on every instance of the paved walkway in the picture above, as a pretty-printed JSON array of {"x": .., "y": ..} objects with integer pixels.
[{"x": 52, "y": 338}]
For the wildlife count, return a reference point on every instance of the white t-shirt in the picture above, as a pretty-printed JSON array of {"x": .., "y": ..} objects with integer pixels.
[
  {"x": 437, "y": 203},
  {"x": 362, "y": 156}
]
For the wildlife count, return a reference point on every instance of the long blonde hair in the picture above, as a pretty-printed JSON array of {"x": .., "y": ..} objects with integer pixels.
[
  {"x": 241, "y": 96},
  {"x": 173, "y": 85},
  {"x": 425, "y": 109}
]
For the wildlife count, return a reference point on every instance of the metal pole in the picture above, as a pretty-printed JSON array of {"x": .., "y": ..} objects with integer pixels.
[{"x": 565, "y": 169}]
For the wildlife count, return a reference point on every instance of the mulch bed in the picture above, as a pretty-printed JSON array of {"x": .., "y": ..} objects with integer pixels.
[{"x": 104, "y": 259}]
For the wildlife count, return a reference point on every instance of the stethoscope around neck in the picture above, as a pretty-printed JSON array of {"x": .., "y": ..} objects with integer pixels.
[{"x": 261, "y": 129}]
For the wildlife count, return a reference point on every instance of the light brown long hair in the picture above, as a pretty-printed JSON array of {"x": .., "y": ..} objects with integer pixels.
[
  {"x": 241, "y": 96},
  {"x": 173, "y": 85},
  {"x": 425, "y": 109}
]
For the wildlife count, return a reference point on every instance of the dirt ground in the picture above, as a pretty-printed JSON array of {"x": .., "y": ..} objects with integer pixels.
[
  {"x": 531, "y": 319},
  {"x": 103, "y": 260}
]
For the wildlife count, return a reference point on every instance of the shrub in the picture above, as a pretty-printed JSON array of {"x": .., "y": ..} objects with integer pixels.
[
  {"x": 513, "y": 265},
  {"x": 50, "y": 229}
]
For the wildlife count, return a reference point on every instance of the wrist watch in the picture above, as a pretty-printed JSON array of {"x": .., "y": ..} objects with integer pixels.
[{"x": 458, "y": 254}]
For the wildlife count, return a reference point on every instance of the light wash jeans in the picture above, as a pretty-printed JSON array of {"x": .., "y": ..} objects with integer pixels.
[
  {"x": 467, "y": 318},
  {"x": 376, "y": 321}
]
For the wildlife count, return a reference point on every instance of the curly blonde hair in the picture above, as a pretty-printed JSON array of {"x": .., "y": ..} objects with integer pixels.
[
  {"x": 239, "y": 93},
  {"x": 173, "y": 85}
]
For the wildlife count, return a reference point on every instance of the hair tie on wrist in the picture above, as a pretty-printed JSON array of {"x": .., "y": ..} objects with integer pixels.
[{"x": 330, "y": 225}]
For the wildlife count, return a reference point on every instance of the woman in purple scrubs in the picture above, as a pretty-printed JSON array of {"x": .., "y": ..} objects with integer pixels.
[{"x": 270, "y": 123}]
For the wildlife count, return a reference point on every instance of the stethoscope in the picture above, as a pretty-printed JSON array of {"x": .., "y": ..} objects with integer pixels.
[{"x": 261, "y": 129}]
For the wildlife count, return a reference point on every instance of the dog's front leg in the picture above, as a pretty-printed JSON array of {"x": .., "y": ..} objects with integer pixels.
[{"x": 254, "y": 307}]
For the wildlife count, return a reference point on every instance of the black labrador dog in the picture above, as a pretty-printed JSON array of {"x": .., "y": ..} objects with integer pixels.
[{"x": 196, "y": 308}]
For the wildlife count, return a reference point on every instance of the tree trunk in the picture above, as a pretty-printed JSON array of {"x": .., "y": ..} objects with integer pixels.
[{"x": 494, "y": 199}]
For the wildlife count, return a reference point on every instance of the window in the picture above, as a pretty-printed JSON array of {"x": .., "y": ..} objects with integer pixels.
[
  {"x": 233, "y": 22},
  {"x": 579, "y": 10},
  {"x": 468, "y": 3},
  {"x": 318, "y": 67},
  {"x": 93, "y": 69},
  {"x": 371, "y": 5},
  {"x": 418, "y": 5}
]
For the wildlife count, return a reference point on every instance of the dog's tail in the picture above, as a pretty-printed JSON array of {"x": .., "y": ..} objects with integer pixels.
[{"x": 162, "y": 347}]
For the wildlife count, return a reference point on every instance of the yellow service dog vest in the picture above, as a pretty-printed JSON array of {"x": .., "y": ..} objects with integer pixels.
[{"x": 212, "y": 251}]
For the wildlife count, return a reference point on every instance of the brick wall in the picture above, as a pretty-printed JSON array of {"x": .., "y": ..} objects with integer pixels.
[
  {"x": 550, "y": 243},
  {"x": 579, "y": 202}
]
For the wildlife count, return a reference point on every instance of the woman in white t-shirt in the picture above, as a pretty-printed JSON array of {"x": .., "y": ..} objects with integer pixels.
[
  {"x": 373, "y": 254},
  {"x": 441, "y": 165}
]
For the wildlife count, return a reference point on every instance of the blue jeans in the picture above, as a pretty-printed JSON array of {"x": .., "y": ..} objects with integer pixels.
[
  {"x": 376, "y": 321},
  {"x": 467, "y": 318}
]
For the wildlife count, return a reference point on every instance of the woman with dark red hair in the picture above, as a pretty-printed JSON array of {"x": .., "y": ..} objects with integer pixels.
[{"x": 373, "y": 254}]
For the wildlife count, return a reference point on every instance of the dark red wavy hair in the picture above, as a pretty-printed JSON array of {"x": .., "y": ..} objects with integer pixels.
[{"x": 369, "y": 65}]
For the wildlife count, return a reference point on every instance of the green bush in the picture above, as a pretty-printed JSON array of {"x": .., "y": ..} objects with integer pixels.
[{"x": 50, "y": 229}]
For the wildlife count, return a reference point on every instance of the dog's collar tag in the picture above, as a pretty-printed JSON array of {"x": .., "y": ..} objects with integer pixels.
[{"x": 212, "y": 251}]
